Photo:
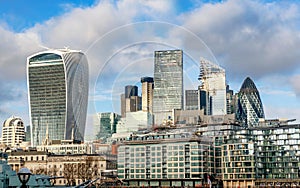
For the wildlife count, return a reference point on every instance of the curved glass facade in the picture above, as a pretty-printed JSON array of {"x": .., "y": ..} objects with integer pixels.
[
  {"x": 250, "y": 107},
  {"x": 58, "y": 94}
]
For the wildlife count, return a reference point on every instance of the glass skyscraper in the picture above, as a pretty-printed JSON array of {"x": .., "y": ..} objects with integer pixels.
[
  {"x": 168, "y": 84},
  {"x": 58, "y": 94},
  {"x": 250, "y": 108},
  {"x": 212, "y": 78}
]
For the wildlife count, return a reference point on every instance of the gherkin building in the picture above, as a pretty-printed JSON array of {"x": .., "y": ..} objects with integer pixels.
[{"x": 249, "y": 105}]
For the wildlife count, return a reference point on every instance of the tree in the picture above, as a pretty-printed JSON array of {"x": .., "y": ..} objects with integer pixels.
[
  {"x": 53, "y": 171},
  {"x": 40, "y": 170},
  {"x": 69, "y": 173}
]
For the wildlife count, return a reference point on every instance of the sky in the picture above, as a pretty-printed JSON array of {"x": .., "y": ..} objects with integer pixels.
[{"x": 259, "y": 39}]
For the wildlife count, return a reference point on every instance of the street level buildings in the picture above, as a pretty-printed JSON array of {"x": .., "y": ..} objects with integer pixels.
[
  {"x": 58, "y": 94},
  {"x": 176, "y": 159},
  {"x": 73, "y": 169}
]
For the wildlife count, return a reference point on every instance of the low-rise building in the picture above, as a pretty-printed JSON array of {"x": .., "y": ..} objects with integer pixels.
[
  {"x": 72, "y": 169},
  {"x": 165, "y": 159}
]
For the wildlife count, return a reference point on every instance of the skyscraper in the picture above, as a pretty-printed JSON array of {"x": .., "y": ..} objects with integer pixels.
[
  {"x": 249, "y": 105},
  {"x": 168, "y": 84},
  {"x": 13, "y": 131},
  {"x": 212, "y": 79},
  {"x": 58, "y": 94},
  {"x": 106, "y": 124},
  {"x": 147, "y": 94},
  {"x": 130, "y": 101}
]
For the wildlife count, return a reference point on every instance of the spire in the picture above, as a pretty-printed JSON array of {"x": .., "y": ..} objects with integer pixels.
[{"x": 46, "y": 141}]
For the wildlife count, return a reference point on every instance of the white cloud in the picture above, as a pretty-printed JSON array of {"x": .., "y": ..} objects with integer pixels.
[
  {"x": 249, "y": 37},
  {"x": 295, "y": 81}
]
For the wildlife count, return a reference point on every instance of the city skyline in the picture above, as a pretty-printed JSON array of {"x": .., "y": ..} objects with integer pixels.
[{"x": 260, "y": 43}]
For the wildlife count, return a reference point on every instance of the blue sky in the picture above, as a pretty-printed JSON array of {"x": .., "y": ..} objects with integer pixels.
[
  {"x": 259, "y": 39},
  {"x": 20, "y": 15}
]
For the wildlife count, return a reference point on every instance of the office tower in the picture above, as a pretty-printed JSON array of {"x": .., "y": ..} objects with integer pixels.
[
  {"x": 191, "y": 99},
  {"x": 58, "y": 94},
  {"x": 28, "y": 134},
  {"x": 168, "y": 84},
  {"x": 130, "y": 101},
  {"x": 249, "y": 105},
  {"x": 230, "y": 100},
  {"x": 212, "y": 78},
  {"x": 123, "y": 105},
  {"x": 147, "y": 93},
  {"x": 106, "y": 123},
  {"x": 131, "y": 91},
  {"x": 133, "y": 104},
  {"x": 13, "y": 131}
]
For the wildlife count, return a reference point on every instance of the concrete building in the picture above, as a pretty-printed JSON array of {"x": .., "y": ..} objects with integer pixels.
[
  {"x": 147, "y": 94},
  {"x": 58, "y": 94},
  {"x": 165, "y": 160},
  {"x": 74, "y": 169},
  {"x": 134, "y": 121},
  {"x": 168, "y": 84},
  {"x": 13, "y": 132},
  {"x": 64, "y": 147}
]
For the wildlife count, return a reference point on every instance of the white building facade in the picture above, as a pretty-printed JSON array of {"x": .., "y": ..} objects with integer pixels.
[{"x": 13, "y": 132}]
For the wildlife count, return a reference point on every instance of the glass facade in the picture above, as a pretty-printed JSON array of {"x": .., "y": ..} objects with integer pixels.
[
  {"x": 174, "y": 157},
  {"x": 249, "y": 105},
  {"x": 212, "y": 78},
  {"x": 168, "y": 84},
  {"x": 58, "y": 93},
  {"x": 192, "y": 99},
  {"x": 278, "y": 152},
  {"x": 106, "y": 125},
  {"x": 234, "y": 156}
]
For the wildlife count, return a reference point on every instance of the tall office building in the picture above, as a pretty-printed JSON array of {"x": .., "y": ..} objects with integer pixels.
[
  {"x": 147, "y": 94},
  {"x": 130, "y": 101},
  {"x": 106, "y": 124},
  {"x": 230, "y": 100},
  {"x": 131, "y": 91},
  {"x": 13, "y": 131},
  {"x": 58, "y": 94},
  {"x": 249, "y": 105},
  {"x": 212, "y": 78},
  {"x": 123, "y": 105},
  {"x": 168, "y": 84}
]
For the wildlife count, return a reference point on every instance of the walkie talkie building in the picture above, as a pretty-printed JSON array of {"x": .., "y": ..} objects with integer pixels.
[{"x": 58, "y": 95}]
